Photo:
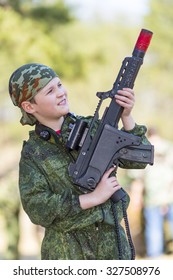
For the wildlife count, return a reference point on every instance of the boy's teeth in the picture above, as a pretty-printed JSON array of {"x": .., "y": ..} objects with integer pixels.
[{"x": 61, "y": 102}]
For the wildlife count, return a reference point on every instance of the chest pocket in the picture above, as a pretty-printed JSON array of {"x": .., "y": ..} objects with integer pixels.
[{"x": 55, "y": 167}]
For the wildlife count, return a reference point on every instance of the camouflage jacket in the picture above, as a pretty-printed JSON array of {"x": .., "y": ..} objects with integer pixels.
[{"x": 51, "y": 200}]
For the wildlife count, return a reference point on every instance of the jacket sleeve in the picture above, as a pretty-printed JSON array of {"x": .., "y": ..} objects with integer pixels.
[
  {"x": 138, "y": 130},
  {"x": 39, "y": 202}
]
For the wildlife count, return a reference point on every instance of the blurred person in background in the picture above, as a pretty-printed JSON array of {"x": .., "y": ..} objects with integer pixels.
[{"x": 154, "y": 187}]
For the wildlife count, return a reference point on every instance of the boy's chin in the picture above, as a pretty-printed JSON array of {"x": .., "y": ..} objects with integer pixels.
[{"x": 65, "y": 112}]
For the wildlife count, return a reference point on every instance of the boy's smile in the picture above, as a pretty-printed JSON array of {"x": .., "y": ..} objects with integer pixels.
[{"x": 63, "y": 102}]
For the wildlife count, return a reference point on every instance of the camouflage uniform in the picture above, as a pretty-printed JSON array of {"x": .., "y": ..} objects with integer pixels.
[
  {"x": 52, "y": 200},
  {"x": 49, "y": 195}
]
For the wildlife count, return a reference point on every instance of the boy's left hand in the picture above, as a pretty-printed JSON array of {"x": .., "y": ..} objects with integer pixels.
[{"x": 126, "y": 99}]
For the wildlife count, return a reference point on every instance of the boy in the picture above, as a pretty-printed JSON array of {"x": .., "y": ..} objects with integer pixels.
[{"x": 77, "y": 225}]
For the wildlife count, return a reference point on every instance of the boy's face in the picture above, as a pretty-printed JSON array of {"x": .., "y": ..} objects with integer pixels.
[{"x": 51, "y": 102}]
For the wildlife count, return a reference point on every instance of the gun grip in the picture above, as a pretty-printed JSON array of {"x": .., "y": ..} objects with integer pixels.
[{"x": 118, "y": 195}]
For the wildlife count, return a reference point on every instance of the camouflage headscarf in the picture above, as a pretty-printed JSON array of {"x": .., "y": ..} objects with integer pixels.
[{"x": 25, "y": 83}]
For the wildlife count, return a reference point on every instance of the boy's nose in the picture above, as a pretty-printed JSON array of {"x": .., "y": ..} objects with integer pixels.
[{"x": 60, "y": 92}]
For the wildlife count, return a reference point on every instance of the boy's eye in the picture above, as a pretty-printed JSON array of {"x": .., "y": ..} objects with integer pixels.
[
  {"x": 49, "y": 91},
  {"x": 59, "y": 84}
]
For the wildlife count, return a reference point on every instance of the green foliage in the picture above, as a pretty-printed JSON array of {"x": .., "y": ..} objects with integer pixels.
[
  {"x": 160, "y": 20},
  {"x": 54, "y": 14},
  {"x": 88, "y": 57},
  {"x": 69, "y": 49},
  {"x": 14, "y": 4},
  {"x": 29, "y": 42}
]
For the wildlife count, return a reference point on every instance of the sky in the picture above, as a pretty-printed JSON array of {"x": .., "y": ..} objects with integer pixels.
[{"x": 109, "y": 9}]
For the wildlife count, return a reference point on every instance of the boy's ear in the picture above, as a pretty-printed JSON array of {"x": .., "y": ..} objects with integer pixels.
[{"x": 27, "y": 107}]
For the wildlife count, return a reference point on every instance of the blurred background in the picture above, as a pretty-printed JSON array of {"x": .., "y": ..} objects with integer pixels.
[{"x": 86, "y": 42}]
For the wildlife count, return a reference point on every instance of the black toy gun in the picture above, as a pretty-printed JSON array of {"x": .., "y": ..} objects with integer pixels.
[{"x": 109, "y": 145}]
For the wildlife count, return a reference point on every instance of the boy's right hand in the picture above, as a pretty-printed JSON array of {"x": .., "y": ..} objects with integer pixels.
[
  {"x": 107, "y": 186},
  {"x": 104, "y": 190}
]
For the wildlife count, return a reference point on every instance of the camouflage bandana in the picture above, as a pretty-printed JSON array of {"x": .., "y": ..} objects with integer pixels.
[{"x": 25, "y": 83}]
